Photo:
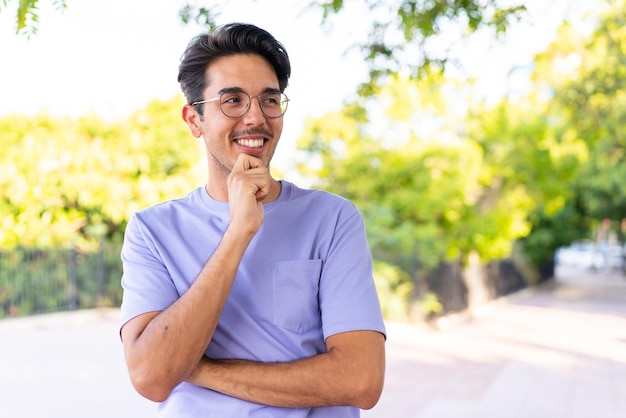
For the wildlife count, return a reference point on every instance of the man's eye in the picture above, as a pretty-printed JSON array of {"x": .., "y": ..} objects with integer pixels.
[
  {"x": 271, "y": 100},
  {"x": 231, "y": 99}
]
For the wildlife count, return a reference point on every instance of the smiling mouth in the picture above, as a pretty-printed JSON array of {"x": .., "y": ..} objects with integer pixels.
[{"x": 250, "y": 143}]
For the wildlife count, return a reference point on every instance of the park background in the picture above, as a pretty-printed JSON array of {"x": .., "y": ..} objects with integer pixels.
[{"x": 475, "y": 141}]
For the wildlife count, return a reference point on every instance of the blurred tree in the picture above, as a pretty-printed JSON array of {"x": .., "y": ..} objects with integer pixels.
[
  {"x": 431, "y": 189},
  {"x": 27, "y": 13},
  {"x": 66, "y": 180},
  {"x": 587, "y": 75},
  {"x": 401, "y": 32},
  {"x": 528, "y": 155},
  {"x": 595, "y": 99}
]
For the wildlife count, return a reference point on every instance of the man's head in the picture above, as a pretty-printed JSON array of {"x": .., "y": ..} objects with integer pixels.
[
  {"x": 230, "y": 39},
  {"x": 234, "y": 79}
]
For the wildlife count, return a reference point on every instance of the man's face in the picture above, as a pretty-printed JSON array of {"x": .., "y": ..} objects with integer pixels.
[{"x": 254, "y": 133}]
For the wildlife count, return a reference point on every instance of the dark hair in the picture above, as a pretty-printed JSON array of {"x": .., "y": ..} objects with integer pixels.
[{"x": 230, "y": 39}]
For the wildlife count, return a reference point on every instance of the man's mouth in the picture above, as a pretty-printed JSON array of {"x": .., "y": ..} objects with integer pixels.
[{"x": 250, "y": 143}]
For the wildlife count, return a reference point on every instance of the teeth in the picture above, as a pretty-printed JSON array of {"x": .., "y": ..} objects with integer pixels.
[{"x": 250, "y": 143}]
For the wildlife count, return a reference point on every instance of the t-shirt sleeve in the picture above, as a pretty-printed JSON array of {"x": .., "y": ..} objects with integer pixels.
[
  {"x": 348, "y": 297},
  {"x": 148, "y": 287}
]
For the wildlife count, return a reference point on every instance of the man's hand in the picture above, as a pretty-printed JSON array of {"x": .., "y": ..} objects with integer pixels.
[{"x": 248, "y": 184}]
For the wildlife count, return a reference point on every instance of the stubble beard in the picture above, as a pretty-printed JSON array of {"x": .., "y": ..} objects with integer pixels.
[{"x": 222, "y": 167}]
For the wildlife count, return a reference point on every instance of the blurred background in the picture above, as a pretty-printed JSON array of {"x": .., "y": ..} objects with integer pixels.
[
  {"x": 472, "y": 135},
  {"x": 483, "y": 141}
]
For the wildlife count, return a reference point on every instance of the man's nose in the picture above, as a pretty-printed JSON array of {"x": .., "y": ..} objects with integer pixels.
[{"x": 254, "y": 115}]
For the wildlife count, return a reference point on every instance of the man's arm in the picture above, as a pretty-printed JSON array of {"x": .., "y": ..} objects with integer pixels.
[
  {"x": 163, "y": 348},
  {"x": 350, "y": 373}
]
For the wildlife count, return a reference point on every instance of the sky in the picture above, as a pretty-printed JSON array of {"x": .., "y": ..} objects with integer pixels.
[{"x": 111, "y": 57}]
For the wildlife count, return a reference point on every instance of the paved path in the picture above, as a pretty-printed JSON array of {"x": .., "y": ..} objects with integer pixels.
[{"x": 556, "y": 351}]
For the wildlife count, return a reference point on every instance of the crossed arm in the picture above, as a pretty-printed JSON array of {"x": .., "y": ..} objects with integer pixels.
[
  {"x": 350, "y": 373},
  {"x": 160, "y": 355}
]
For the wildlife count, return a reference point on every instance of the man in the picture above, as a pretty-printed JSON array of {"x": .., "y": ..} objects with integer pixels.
[{"x": 250, "y": 296}]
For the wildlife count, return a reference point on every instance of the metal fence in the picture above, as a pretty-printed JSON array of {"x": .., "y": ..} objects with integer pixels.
[{"x": 35, "y": 281}]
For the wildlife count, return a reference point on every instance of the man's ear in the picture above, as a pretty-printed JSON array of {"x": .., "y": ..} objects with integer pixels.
[{"x": 192, "y": 118}]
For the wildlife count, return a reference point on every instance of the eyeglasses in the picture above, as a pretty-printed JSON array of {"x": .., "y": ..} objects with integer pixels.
[{"x": 235, "y": 104}]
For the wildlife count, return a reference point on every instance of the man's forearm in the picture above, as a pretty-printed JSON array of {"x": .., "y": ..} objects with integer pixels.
[
  {"x": 339, "y": 377},
  {"x": 275, "y": 384}
]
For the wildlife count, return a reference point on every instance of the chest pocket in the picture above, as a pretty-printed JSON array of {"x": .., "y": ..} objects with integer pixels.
[{"x": 296, "y": 294}]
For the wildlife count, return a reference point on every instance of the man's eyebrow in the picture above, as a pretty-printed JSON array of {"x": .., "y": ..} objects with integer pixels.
[
  {"x": 266, "y": 90},
  {"x": 271, "y": 90},
  {"x": 231, "y": 90}
]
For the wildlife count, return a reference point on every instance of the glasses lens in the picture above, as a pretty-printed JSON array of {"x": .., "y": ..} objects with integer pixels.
[
  {"x": 235, "y": 104},
  {"x": 273, "y": 104}
]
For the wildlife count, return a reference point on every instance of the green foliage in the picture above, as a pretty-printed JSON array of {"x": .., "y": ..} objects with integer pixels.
[
  {"x": 539, "y": 169},
  {"x": 394, "y": 287},
  {"x": 74, "y": 181},
  {"x": 401, "y": 30},
  {"x": 34, "y": 281},
  {"x": 428, "y": 304},
  {"x": 595, "y": 101},
  {"x": 588, "y": 77},
  {"x": 200, "y": 15},
  {"x": 553, "y": 230},
  {"x": 527, "y": 164},
  {"x": 424, "y": 200},
  {"x": 433, "y": 182},
  {"x": 27, "y": 14}
]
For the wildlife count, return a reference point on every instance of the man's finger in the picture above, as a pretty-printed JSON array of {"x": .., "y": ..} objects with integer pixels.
[{"x": 246, "y": 162}]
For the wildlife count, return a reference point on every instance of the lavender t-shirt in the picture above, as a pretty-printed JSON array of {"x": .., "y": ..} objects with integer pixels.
[{"x": 306, "y": 275}]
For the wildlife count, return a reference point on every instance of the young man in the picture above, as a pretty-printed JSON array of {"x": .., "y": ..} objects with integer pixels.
[{"x": 250, "y": 296}]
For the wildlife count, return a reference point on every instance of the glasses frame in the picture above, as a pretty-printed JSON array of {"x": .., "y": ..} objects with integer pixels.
[{"x": 258, "y": 97}]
